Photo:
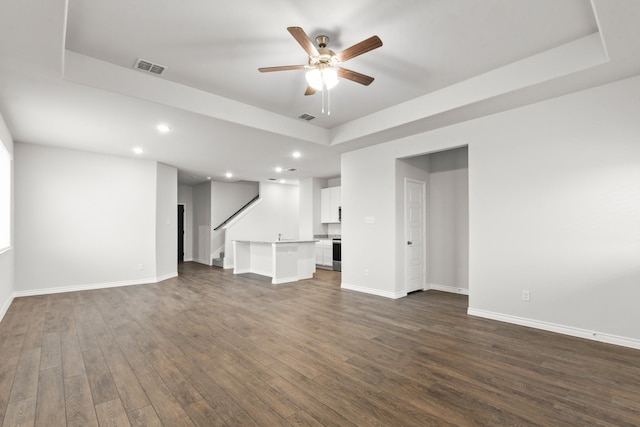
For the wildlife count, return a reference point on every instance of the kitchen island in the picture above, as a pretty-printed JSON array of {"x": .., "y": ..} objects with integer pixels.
[{"x": 282, "y": 260}]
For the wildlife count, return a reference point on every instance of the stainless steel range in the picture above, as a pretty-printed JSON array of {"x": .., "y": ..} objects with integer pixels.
[{"x": 337, "y": 254}]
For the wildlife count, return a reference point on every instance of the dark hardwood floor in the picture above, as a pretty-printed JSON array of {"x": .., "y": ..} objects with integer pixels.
[{"x": 210, "y": 348}]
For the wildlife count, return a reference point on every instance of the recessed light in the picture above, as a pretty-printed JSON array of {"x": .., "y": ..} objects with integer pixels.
[
  {"x": 282, "y": 181},
  {"x": 296, "y": 154},
  {"x": 209, "y": 178},
  {"x": 138, "y": 150},
  {"x": 164, "y": 128},
  {"x": 278, "y": 169},
  {"x": 228, "y": 174}
]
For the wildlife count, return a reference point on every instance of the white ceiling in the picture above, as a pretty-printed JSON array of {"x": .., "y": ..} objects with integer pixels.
[{"x": 67, "y": 76}]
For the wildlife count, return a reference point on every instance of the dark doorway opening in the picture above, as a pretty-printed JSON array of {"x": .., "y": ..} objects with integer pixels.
[{"x": 180, "y": 233}]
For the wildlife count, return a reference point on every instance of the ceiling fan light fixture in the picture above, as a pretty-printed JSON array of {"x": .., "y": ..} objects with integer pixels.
[{"x": 320, "y": 77}]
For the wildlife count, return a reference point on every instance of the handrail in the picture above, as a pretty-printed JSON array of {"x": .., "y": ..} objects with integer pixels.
[{"x": 236, "y": 213}]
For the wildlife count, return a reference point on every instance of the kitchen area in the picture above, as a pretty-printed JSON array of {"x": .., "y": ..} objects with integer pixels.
[
  {"x": 329, "y": 245},
  {"x": 291, "y": 259},
  {"x": 288, "y": 233}
]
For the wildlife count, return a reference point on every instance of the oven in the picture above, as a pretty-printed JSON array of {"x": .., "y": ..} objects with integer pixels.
[{"x": 337, "y": 254}]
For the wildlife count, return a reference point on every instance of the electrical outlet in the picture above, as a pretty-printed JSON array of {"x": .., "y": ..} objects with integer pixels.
[
  {"x": 526, "y": 295},
  {"x": 366, "y": 272},
  {"x": 140, "y": 267}
]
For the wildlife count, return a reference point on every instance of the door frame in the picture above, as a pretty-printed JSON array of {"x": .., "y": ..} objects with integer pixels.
[{"x": 425, "y": 255}]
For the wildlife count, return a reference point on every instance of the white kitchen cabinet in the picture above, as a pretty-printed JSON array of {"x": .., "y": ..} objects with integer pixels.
[
  {"x": 324, "y": 253},
  {"x": 319, "y": 254},
  {"x": 327, "y": 255},
  {"x": 330, "y": 204},
  {"x": 336, "y": 204}
]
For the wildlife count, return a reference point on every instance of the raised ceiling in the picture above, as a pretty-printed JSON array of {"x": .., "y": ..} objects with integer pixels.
[
  {"x": 67, "y": 73},
  {"x": 218, "y": 46}
]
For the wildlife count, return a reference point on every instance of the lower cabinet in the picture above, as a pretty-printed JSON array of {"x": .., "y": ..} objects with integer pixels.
[{"x": 324, "y": 253}]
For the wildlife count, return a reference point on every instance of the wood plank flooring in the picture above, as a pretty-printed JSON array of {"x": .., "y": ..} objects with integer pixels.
[{"x": 210, "y": 348}]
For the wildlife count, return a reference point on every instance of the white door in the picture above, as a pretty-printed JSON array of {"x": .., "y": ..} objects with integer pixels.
[{"x": 415, "y": 258}]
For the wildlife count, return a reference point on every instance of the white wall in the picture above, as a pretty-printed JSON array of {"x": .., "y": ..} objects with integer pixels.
[
  {"x": 213, "y": 203},
  {"x": 275, "y": 213},
  {"x": 554, "y": 202},
  {"x": 228, "y": 197},
  {"x": 334, "y": 229},
  {"x": 7, "y": 258},
  {"x": 185, "y": 197},
  {"x": 310, "y": 207},
  {"x": 306, "y": 208},
  {"x": 202, "y": 223},
  {"x": 369, "y": 248},
  {"x": 83, "y": 220},
  {"x": 448, "y": 218},
  {"x": 166, "y": 243}
]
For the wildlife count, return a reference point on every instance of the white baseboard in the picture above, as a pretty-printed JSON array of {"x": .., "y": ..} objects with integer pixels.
[
  {"x": 561, "y": 329},
  {"x": 75, "y": 288},
  {"x": 443, "y": 288},
  {"x": 396, "y": 295},
  {"x": 372, "y": 291},
  {"x": 167, "y": 276},
  {"x": 285, "y": 280},
  {"x": 6, "y": 305}
]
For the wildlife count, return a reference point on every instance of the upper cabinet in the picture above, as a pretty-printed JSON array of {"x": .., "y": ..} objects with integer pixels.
[{"x": 330, "y": 204}]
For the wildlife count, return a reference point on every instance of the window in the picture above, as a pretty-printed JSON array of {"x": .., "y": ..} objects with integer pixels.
[{"x": 5, "y": 198}]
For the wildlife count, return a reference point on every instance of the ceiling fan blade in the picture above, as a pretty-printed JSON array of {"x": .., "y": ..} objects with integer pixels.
[
  {"x": 281, "y": 68},
  {"x": 354, "y": 76},
  {"x": 309, "y": 91},
  {"x": 302, "y": 38},
  {"x": 364, "y": 46}
]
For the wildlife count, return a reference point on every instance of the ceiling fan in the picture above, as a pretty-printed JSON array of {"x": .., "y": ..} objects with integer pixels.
[{"x": 324, "y": 67}]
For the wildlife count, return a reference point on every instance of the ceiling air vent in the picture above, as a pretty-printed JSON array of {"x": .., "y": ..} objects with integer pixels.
[
  {"x": 307, "y": 117},
  {"x": 149, "y": 67}
]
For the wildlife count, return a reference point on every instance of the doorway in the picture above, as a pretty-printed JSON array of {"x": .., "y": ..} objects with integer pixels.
[
  {"x": 180, "y": 233},
  {"x": 445, "y": 228}
]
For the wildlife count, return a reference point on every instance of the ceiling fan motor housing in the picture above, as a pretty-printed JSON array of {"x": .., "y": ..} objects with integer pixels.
[
  {"x": 322, "y": 41},
  {"x": 326, "y": 57}
]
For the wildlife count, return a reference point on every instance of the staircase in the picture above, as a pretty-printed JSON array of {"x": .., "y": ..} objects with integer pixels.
[{"x": 218, "y": 262}]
